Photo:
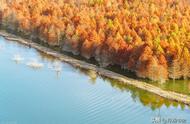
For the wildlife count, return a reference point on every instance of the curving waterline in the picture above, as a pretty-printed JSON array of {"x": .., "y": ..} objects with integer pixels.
[{"x": 101, "y": 71}]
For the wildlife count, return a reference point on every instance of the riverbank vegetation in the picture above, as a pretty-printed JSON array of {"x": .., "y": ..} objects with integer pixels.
[{"x": 148, "y": 37}]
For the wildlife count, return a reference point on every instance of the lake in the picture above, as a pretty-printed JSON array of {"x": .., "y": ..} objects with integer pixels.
[{"x": 72, "y": 95}]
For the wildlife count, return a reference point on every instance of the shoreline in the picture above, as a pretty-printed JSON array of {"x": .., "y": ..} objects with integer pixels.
[{"x": 100, "y": 71}]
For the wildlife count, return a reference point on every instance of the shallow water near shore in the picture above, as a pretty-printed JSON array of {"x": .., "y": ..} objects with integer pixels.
[{"x": 73, "y": 96}]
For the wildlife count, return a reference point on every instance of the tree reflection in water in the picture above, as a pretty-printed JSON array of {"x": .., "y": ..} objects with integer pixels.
[{"x": 146, "y": 98}]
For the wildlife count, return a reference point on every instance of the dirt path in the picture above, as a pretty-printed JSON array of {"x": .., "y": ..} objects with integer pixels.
[{"x": 101, "y": 71}]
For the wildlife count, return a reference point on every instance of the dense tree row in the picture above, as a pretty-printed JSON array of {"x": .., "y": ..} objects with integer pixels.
[{"x": 149, "y": 37}]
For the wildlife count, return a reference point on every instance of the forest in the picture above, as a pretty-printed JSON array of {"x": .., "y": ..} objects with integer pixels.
[{"x": 148, "y": 37}]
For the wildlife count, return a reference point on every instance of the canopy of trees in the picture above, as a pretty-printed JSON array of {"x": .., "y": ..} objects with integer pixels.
[{"x": 149, "y": 37}]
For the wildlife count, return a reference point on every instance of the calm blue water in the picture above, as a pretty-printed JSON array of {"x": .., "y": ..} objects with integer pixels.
[{"x": 41, "y": 96}]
